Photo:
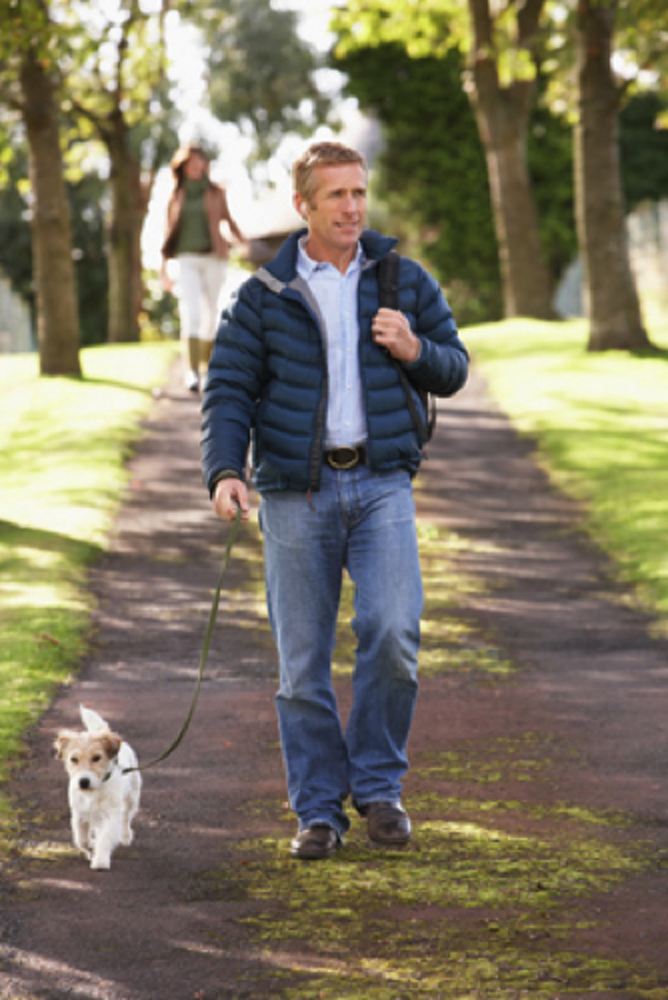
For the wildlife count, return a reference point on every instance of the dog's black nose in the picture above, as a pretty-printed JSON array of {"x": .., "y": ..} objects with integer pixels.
[{"x": 84, "y": 783}]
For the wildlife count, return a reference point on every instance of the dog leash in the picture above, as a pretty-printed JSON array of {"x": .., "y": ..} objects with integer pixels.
[{"x": 205, "y": 652}]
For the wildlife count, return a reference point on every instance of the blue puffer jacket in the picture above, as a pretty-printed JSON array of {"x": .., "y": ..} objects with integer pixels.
[{"x": 268, "y": 373}]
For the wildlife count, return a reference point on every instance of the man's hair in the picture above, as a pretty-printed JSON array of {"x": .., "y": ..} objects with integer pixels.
[{"x": 321, "y": 154}]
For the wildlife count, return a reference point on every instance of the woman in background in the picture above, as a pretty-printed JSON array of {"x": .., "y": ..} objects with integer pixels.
[{"x": 197, "y": 207}]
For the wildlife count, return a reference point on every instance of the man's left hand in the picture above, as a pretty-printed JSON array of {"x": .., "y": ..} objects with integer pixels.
[{"x": 392, "y": 331}]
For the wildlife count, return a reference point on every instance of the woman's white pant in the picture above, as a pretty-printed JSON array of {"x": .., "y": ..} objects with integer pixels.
[{"x": 201, "y": 278}]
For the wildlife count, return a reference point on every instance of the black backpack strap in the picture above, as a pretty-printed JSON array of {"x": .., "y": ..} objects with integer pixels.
[
  {"x": 388, "y": 298},
  {"x": 388, "y": 281}
]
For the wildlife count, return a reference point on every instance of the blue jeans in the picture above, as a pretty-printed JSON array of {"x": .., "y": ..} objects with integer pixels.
[{"x": 363, "y": 522}]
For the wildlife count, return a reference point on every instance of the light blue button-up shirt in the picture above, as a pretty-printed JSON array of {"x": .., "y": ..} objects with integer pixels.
[{"x": 336, "y": 295}]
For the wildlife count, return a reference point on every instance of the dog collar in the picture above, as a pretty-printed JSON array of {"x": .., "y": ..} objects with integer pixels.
[{"x": 110, "y": 771}]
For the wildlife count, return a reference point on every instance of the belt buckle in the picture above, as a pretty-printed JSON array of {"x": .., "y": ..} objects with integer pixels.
[{"x": 346, "y": 463}]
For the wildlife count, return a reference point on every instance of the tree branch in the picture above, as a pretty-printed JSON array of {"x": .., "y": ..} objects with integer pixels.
[
  {"x": 482, "y": 28},
  {"x": 528, "y": 21}
]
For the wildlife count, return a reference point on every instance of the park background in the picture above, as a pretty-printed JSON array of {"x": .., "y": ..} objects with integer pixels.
[{"x": 556, "y": 270}]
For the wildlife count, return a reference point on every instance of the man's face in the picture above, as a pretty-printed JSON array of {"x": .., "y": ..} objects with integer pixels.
[{"x": 337, "y": 213}]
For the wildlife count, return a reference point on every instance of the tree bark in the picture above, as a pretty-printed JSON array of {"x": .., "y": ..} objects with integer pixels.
[
  {"x": 502, "y": 114},
  {"x": 611, "y": 298},
  {"x": 55, "y": 279},
  {"x": 128, "y": 210}
]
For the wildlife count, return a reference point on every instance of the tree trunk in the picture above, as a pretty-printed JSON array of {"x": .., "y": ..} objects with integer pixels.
[
  {"x": 55, "y": 279},
  {"x": 611, "y": 298},
  {"x": 128, "y": 210},
  {"x": 502, "y": 114}
]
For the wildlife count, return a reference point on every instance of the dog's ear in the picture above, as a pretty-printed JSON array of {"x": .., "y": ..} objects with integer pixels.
[
  {"x": 112, "y": 744},
  {"x": 62, "y": 741}
]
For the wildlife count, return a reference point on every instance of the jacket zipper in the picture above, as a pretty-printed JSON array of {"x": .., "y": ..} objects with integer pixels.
[{"x": 316, "y": 450}]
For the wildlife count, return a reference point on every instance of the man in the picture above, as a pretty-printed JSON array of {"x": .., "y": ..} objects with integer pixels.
[{"x": 301, "y": 359}]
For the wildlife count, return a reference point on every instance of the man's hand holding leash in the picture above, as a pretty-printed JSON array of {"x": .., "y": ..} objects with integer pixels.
[{"x": 231, "y": 495}]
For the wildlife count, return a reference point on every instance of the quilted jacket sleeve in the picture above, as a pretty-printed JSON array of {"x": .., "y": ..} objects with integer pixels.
[
  {"x": 233, "y": 386},
  {"x": 442, "y": 367}
]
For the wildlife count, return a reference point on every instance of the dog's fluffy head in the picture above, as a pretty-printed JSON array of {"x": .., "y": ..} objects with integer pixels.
[{"x": 87, "y": 756}]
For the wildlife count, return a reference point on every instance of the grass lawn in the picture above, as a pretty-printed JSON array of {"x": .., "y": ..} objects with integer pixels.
[
  {"x": 63, "y": 450},
  {"x": 600, "y": 423}
]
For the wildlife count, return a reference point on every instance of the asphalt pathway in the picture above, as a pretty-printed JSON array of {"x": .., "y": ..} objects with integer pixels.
[{"x": 591, "y": 672}]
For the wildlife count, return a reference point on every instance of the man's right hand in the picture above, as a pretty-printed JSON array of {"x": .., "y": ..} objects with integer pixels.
[{"x": 229, "y": 495}]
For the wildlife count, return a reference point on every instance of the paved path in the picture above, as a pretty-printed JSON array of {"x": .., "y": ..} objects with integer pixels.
[{"x": 592, "y": 681}]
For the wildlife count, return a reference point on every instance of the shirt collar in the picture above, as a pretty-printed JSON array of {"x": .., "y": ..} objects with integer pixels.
[{"x": 307, "y": 267}]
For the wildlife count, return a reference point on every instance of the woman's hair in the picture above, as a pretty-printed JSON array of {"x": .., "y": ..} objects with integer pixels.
[
  {"x": 321, "y": 154},
  {"x": 181, "y": 157}
]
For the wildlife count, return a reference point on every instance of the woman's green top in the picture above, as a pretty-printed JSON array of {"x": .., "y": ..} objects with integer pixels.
[{"x": 194, "y": 236}]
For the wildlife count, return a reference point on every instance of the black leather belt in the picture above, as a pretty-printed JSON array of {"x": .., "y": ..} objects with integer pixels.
[{"x": 346, "y": 458}]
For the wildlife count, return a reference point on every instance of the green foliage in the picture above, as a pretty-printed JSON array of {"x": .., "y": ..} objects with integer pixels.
[
  {"x": 423, "y": 27},
  {"x": 90, "y": 255},
  {"x": 550, "y": 158},
  {"x": 24, "y": 24},
  {"x": 644, "y": 150},
  {"x": 641, "y": 27},
  {"x": 86, "y": 202},
  {"x": 432, "y": 171},
  {"x": 433, "y": 174},
  {"x": 427, "y": 32},
  {"x": 261, "y": 75},
  {"x": 117, "y": 88},
  {"x": 107, "y": 62},
  {"x": 15, "y": 242}
]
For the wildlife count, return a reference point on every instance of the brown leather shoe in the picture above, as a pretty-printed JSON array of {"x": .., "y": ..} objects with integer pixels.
[
  {"x": 388, "y": 824},
  {"x": 315, "y": 843}
]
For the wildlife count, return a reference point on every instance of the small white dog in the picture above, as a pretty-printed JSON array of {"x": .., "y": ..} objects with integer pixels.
[{"x": 103, "y": 800}]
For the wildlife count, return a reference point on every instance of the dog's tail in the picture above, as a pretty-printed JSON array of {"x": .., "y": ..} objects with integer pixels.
[{"x": 91, "y": 720}]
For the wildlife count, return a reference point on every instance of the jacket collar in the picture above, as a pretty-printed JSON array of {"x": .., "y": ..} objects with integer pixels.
[{"x": 284, "y": 265}]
